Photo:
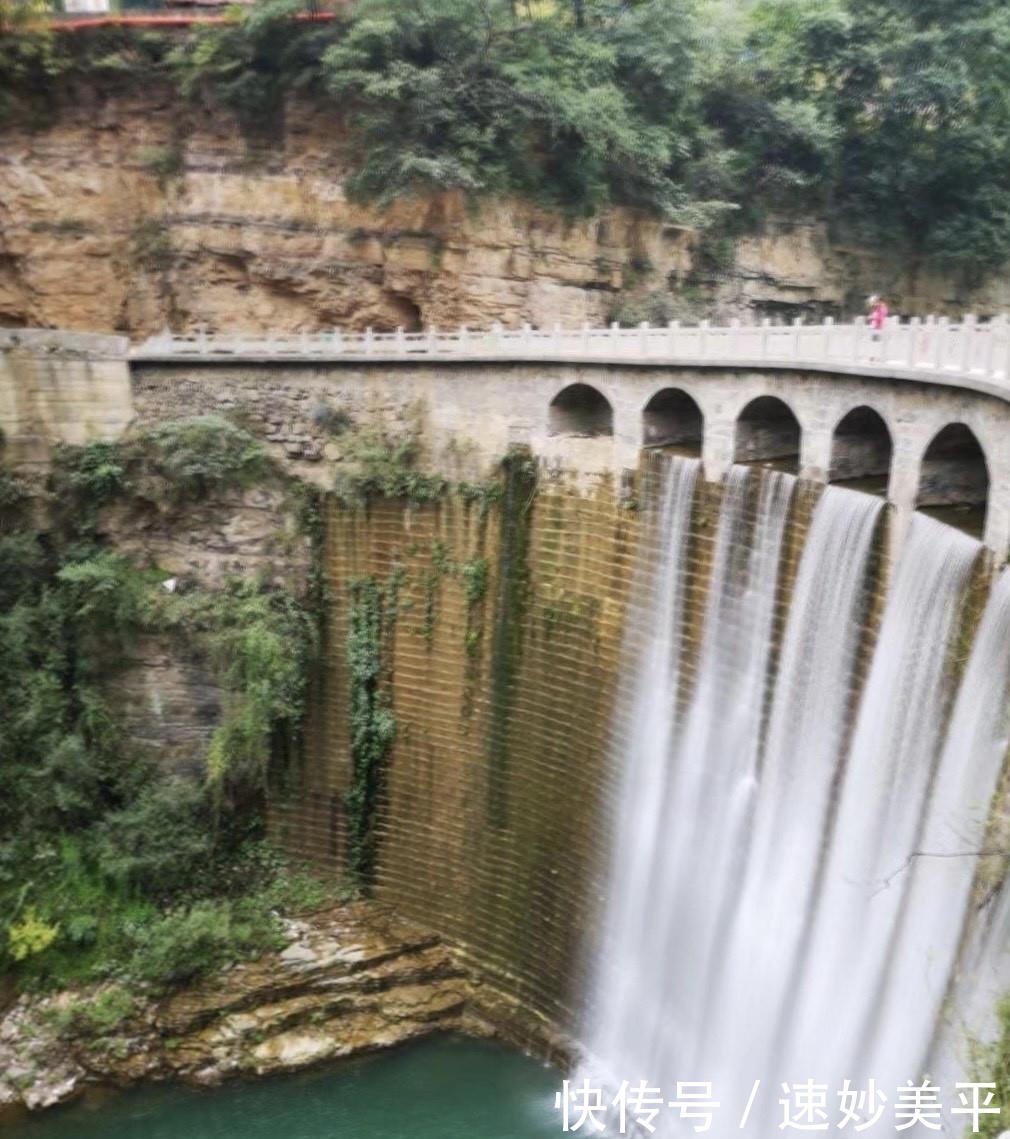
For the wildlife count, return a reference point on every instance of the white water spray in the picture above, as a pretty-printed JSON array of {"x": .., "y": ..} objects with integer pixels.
[{"x": 792, "y": 909}]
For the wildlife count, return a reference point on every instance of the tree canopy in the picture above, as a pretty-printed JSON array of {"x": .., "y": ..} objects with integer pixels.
[{"x": 889, "y": 117}]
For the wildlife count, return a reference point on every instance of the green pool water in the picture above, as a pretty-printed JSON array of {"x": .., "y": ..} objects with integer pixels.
[{"x": 443, "y": 1088}]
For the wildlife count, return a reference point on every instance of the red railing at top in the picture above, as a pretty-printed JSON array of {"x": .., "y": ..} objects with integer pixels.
[{"x": 166, "y": 20}]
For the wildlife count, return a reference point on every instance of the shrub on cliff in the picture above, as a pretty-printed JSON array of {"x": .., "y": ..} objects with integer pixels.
[
  {"x": 168, "y": 464},
  {"x": 891, "y": 114},
  {"x": 184, "y": 943},
  {"x": 29, "y": 55},
  {"x": 252, "y": 64}
]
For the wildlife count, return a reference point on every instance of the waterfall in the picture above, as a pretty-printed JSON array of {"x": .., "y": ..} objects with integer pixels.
[
  {"x": 651, "y": 658},
  {"x": 793, "y": 838},
  {"x": 810, "y": 709},
  {"x": 977, "y": 743}
]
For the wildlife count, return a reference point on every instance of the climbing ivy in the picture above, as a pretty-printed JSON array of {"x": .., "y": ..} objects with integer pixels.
[
  {"x": 483, "y": 494},
  {"x": 262, "y": 643},
  {"x": 441, "y": 566},
  {"x": 379, "y": 465},
  {"x": 475, "y": 575},
  {"x": 519, "y": 491},
  {"x": 371, "y": 723}
]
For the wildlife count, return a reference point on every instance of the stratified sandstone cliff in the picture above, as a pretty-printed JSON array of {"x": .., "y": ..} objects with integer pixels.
[{"x": 131, "y": 214}]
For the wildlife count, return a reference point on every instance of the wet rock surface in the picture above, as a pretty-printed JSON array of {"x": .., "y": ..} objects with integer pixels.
[{"x": 349, "y": 980}]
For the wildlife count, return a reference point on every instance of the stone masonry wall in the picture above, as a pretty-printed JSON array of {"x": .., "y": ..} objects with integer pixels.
[{"x": 469, "y": 414}]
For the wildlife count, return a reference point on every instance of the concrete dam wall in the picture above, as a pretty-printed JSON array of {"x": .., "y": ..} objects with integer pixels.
[{"x": 474, "y": 720}]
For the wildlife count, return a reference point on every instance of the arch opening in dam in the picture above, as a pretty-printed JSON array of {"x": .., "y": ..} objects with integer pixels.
[
  {"x": 581, "y": 410},
  {"x": 673, "y": 419},
  {"x": 861, "y": 451},
  {"x": 768, "y": 433},
  {"x": 954, "y": 479}
]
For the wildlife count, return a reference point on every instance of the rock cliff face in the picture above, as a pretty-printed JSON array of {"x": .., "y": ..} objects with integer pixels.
[{"x": 127, "y": 214}]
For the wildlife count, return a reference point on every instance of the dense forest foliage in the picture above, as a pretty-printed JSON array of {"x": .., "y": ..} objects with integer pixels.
[{"x": 890, "y": 117}]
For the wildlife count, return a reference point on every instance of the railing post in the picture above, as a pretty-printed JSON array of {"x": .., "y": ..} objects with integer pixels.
[
  {"x": 940, "y": 343},
  {"x": 829, "y": 329},
  {"x": 526, "y": 330},
  {"x": 765, "y": 326},
  {"x": 496, "y": 337},
  {"x": 797, "y": 325},
  {"x": 967, "y": 340},
  {"x": 399, "y": 340},
  {"x": 672, "y": 329},
  {"x": 303, "y": 342},
  {"x": 913, "y": 339},
  {"x": 996, "y": 329},
  {"x": 201, "y": 339},
  {"x": 463, "y": 340},
  {"x": 369, "y": 340},
  {"x": 890, "y": 324},
  {"x": 928, "y": 342},
  {"x": 338, "y": 341}
]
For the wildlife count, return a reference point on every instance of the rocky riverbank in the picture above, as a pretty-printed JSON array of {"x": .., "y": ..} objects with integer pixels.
[{"x": 349, "y": 980}]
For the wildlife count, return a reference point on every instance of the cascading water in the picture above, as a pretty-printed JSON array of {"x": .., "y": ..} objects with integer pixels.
[
  {"x": 683, "y": 810},
  {"x": 786, "y": 904},
  {"x": 979, "y": 737}
]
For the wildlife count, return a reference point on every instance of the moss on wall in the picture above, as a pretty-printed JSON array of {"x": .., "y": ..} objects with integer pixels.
[{"x": 512, "y": 596}]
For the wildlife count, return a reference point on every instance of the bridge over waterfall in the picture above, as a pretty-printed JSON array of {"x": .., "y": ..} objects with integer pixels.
[{"x": 918, "y": 412}]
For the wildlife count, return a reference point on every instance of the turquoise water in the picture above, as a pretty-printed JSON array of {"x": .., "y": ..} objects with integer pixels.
[{"x": 443, "y": 1088}]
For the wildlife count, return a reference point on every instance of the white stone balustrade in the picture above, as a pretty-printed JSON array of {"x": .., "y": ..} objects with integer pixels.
[{"x": 934, "y": 348}]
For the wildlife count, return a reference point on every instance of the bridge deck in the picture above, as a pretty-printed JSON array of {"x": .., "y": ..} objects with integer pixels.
[{"x": 966, "y": 354}]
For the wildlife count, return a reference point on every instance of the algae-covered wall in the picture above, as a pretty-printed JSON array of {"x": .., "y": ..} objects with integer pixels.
[
  {"x": 485, "y": 631},
  {"x": 500, "y": 634}
]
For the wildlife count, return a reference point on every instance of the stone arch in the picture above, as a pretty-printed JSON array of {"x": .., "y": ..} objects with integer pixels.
[
  {"x": 954, "y": 479},
  {"x": 672, "y": 418},
  {"x": 768, "y": 432},
  {"x": 861, "y": 450},
  {"x": 580, "y": 410}
]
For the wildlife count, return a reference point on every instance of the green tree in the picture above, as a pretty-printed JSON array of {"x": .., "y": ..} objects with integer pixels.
[
  {"x": 477, "y": 95},
  {"x": 906, "y": 105},
  {"x": 252, "y": 64},
  {"x": 29, "y": 55}
]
